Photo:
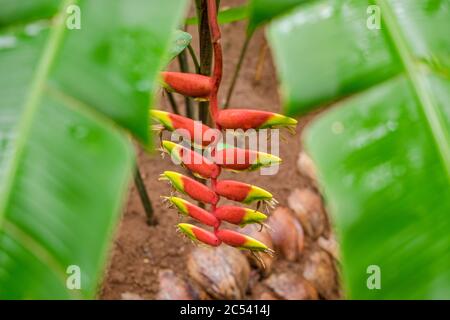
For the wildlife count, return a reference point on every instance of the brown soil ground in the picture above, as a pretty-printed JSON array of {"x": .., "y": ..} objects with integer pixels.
[{"x": 140, "y": 251}]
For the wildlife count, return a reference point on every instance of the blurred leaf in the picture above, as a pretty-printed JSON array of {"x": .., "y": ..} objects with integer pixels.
[
  {"x": 19, "y": 12},
  {"x": 64, "y": 165},
  {"x": 180, "y": 41},
  {"x": 112, "y": 61},
  {"x": 227, "y": 15},
  {"x": 344, "y": 57},
  {"x": 261, "y": 11},
  {"x": 383, "y": 155}
]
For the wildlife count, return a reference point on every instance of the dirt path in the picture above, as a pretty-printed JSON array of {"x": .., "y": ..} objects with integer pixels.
[{"x": 141, "y": 251}]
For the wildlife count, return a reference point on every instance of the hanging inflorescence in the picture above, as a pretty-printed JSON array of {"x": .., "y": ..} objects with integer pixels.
[{"x": 204, "y": 87}]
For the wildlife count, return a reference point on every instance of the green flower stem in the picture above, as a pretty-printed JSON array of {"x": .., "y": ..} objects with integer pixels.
[
  {"x": 143, "y": 195},
  {"x": 248, "y": 37}
]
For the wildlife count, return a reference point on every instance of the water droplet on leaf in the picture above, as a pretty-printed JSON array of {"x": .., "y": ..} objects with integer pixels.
[
  {"x": 337, "y": 127},
  {"x": 7, "y": 42},
  {"x": 78, "y": 131}
]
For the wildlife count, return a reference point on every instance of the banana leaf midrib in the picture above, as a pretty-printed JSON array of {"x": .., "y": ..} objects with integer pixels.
[
  {"x": 39, "y": 86},
  {"x": 414, "y": 72},
  {"x": 412, "y": 69},
  {"x": 68, "y": 154},
  {"x": 31, "y": 104},
  {"x": 16, "y": 232}
]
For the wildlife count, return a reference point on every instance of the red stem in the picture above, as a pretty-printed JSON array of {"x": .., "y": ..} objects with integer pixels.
[
  {"x": 216, "y": 77},
  {"x": 214, "y": 205},
  {"x": 218, "y": 61},
  {"x": 212, "y": 19}
]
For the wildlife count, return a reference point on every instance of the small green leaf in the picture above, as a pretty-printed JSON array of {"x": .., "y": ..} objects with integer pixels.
[{"x": 179, "y": 42}]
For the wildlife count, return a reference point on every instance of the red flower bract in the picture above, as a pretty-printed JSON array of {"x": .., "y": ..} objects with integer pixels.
[
  {"x": 198, "y": 234},
  {"x": 252, "y": 119},
  {"x": 233, "y": 190},
  {"x": 199, "y": 164},
  {"x": 230, "y": 214},
  {"x": 192, "y": 160},
  {"x": 195, "y": 212},
  {"x": 242, "y": 118},
  {"x": 235, "y": 158},
  {"x": 191, "y": 130},
  {"x": 232, "y": 238},
  {"x": 199, "y": 192},
  {"x": 188, "y": 84}
]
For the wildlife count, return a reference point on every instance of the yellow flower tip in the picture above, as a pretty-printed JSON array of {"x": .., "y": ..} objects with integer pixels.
[
  {"x": 168, "y": 145},
  {"x": 186, "y": 228},
  {"x": 267, "y": 159},
  {"x": 162, "y": 117},
  {"x": 181, "y": 204},
  {"x": 253, "y": 216},
  {"x": 279, "y": 120},
  {"x": 254, "y": 245},
  {"x": 257, "y": 193},
  {"x": 175, "y": 178}
]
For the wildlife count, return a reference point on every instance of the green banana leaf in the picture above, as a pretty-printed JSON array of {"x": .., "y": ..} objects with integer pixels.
[
  {"x": 262, "y": 11},
  {"x": 67, "y": 95},
  {"x": 257, "y": 12},
  {"x": 383, "y": 151},
  {"x": 25, "y": 11},
  {"x": 226, "y": 15}
]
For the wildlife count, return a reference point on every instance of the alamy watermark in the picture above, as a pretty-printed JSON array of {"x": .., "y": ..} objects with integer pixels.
[
  {"x": 373, "y": 21},
  {"x": 73, "y": 281},
  {"x": 73, "y": 19},
  {"x": 374, "y": 279}
]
